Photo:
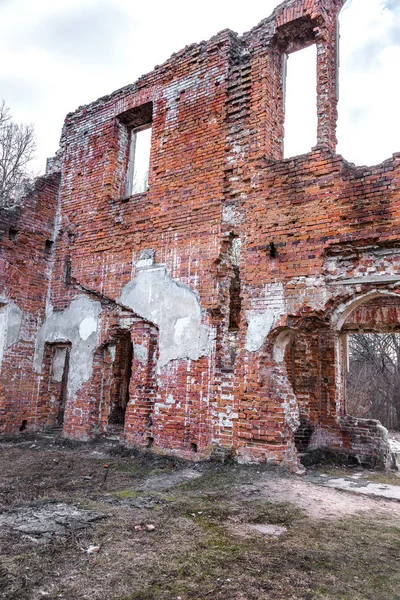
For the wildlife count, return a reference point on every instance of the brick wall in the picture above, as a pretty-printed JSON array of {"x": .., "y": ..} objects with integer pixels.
[
  {"x": 26, "y": 257},
  {"x": 234, "y": 272}
]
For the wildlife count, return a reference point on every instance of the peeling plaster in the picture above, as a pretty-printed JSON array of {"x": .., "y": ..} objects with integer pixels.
[
  {"x": 170, "y": 399},
  {"x": 140, "y": 353},
  {"x": 261, "y": 323},
  {"x": 112, "y": 348},
  {"x": 230, "y": 215},
  {"x": 175, "y": 309},
  {"x": 77, "y": 324},
  {"x": 87, "y": 327},
  {"x": 10, "y": 325},
  {"x": 59, "y": 364}
]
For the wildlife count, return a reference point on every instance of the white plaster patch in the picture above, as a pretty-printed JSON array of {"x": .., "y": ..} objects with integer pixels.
[
  {"x": 322, "y": 438},
  {"x": 292, "y": 413},
  {"x": 112, "y": 348},
  {"x": 14, "y": 322},
  {"x": 144, "y": 263},
  {"x": 10, "y": 325},
  {"x": 260, "y": 325},
  {"x": 140, "y": 353},
  {"x": 175, "y": 309},
  {"x": 65, "y": 326},
  {"x": 261, "y": 322},
  {"x": 230, "y": 215},
  {"x": 226, "y": 419},
  {"x": 59, "y": 363},
  {"x": 170, "y": 399},
  {"x": 182, "y": 330},
  {"x": 3, "y": 330},
  {"x": 87, "y": 327}
]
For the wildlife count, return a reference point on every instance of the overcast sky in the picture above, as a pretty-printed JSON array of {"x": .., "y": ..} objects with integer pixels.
[{"x": 57, "y": 55}]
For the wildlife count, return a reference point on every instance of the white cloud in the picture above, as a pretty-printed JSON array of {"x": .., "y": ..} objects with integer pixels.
[
  {"x": 56, "y": 56},
  {"x": 369, "y": 125}
]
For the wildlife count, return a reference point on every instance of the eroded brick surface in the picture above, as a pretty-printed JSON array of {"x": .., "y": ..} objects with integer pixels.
[{"x": 208, "y": 314}]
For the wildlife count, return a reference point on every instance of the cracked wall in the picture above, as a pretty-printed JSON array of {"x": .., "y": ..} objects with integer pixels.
[
  {"x": 77, "y": 324},
  {"x": 176, "y": 311},
  {"x": 235, "y": 327}
]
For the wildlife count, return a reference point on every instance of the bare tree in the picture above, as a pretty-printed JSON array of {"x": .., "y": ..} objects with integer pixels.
[
  {"x": 373, "y": 382},
  {"x": 17, "y": 149}
]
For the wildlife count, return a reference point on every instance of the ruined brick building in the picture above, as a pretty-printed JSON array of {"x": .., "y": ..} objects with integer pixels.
[{"x": 206, "y": 312}]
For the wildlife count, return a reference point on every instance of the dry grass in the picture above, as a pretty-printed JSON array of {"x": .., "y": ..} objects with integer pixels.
[{"x": 193, "y": 553}]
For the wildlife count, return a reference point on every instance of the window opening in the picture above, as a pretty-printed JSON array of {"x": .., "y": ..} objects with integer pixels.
[
  {"x": 12, "y": 234},
  {"x": 139, "y": 160},
  {"x": 48, "y": 246},
  {"x": 59, "y": 379},
  {"x": 373, "y": 377},
  {"x": 235, "y": 303},
  {"x": 68, "y": 271},
  {"x": 300, "y": 92}
]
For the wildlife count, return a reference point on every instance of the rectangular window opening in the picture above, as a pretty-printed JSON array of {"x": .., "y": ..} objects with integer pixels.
[
  {"x": 68, "y": 271},
  {"x": 300, "y": 97},
  {"x": 139, "y": 160},
  {"x": 12, "y": 234},
  {"x": 48, "y": 247}
]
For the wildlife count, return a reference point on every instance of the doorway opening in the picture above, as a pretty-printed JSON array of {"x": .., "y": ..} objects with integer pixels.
[
  {"x": 373, "y": 377},
  {"x": 119, "y": 394},
  {"x": 54, "y": 387},
  {"x": 60, "y": 372}
]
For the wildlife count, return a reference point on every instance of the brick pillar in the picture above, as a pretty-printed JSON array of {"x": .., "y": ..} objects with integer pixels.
[
  {"x": 142, "y": 387},
  {"x": 327, "y": 37}
]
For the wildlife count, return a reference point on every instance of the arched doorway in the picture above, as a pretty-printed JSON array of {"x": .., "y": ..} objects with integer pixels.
[{"x": 370, "y": 351}]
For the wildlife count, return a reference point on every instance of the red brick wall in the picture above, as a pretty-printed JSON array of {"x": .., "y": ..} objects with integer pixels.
[
  {"x": 25, "y": 265},
  {"x": 244, "y": 230}
]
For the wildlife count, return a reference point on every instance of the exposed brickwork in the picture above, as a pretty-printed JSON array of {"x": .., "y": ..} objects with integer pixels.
[
  {"x": 25, "y": 266},
  {"x": 232, "y": 280}
]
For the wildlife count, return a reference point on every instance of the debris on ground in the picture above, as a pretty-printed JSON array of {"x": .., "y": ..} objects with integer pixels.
[{"x": 47, "y": 518}]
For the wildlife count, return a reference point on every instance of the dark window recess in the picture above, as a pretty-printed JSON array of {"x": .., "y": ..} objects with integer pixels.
[
  {"x": 135, "y": 136},
  {"x": 235, "y": 304},
  {"x": 150, "y": 442},
  {"x": 23, "y": 425},
  {"x": 48, "y": 246},
  {"x": 193, "y": 447},
  {"x": 68, "y": 271},
  {"x": 272, "y": 250},
  {"x": 12, "y": 234}
]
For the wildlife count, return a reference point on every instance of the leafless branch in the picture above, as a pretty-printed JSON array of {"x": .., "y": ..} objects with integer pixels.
[
  {"x": 373, "y": 382},
  {"x": 17, "y": 149}
]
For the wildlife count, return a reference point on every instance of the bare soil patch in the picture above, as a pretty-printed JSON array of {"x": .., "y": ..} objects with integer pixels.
[{"x": 176, "y": 530}]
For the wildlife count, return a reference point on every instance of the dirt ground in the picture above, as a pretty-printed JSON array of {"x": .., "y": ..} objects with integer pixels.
[{"x": 155, "y": 528}]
